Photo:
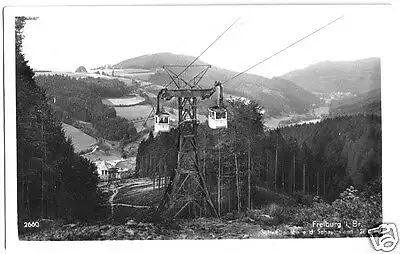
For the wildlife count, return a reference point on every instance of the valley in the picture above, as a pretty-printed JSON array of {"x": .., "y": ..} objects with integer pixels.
[
  {"x": 132, "y": 197},
  {"x": 144, "y": 76},
  {"x": 137, "y": 106},
  {"x": 314, "y": 115}
]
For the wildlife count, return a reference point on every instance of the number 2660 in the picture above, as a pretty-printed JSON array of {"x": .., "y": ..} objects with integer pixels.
[{"x": 31, "y": 224}]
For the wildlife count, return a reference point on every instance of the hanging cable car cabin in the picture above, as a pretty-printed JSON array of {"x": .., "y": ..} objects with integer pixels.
[
  {"x": 217, "y": 115},
  {"x": 161, "y": 122},
  {"x": 161, "y": 119},
  {"x": 217, "y": 118}
]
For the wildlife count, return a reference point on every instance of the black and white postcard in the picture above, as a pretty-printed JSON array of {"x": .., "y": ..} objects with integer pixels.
[{"x": 200, "y": 122}]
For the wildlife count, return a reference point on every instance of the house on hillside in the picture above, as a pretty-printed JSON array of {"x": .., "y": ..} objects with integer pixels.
[
  {"x": 114, "y": 169},
  {"x": 102, "y": 169},
  {"x": 114, "y": 174}
]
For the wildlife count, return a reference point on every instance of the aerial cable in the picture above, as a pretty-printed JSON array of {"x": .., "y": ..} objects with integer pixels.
[
  {"x": 287, "y": 47},
  {"x": 194, "y": 60},
  {"x": 152, "y": 109}
]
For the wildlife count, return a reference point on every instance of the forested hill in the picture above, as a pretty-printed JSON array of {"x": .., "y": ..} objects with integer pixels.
[
  {"x": 81, "y": 99},
  {"x": 357, "y": 76},
  {"x": 365, "y": 103},
  {"x": 275, "y": 95},
  {"x": 346, "y": 149}
]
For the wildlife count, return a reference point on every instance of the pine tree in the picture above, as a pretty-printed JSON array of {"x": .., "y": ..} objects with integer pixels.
[{"x": 53, "y": 181}]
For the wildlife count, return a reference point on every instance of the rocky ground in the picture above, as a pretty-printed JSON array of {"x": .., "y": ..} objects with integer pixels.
[{"x": 201, "y": 228}]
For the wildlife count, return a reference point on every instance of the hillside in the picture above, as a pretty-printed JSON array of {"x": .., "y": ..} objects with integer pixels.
[
  {"x": 80, "y": 140},
  {"x": 154, "y": 61},
  {"x": 357, "y": 76},
  {"x": 276, "y": 95},
  {"x": 365, "y": 103},
  {"x": 81, "y": 99}
]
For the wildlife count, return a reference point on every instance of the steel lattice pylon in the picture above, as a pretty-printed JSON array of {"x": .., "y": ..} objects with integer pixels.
[{"x": 187, "y": 192}]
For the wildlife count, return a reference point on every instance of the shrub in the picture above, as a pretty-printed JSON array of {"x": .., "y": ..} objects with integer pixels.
[
  {"x": 353, "y": 206},
  {"x": 319, "y": 211},
  {"x": 274, "y": 210},
  {"x": 279, "y": 214},
  {"x": 355, "y": 211}
]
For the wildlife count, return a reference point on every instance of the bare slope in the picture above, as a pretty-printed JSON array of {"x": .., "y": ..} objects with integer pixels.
[{"x": 80, "y": 140}]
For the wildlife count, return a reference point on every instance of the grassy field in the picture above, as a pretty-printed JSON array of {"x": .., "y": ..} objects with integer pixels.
[
  {"x": 123, "y": 101},
  {"x": 142, "y": 112},
  {"x": 80, "y": 140},
  {"x": 134, "y": 112}
]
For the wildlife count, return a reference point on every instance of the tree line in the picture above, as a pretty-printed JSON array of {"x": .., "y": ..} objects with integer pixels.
[
  {"x": 320, "y": 159},
  {"x": 81, "y": 99},
  {"x": 53, "y": 182}
]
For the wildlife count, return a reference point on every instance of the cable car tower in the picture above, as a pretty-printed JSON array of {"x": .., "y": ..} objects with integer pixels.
[
  {"x": 187, "y": 191},
  {"x": 187, "y": 188}
]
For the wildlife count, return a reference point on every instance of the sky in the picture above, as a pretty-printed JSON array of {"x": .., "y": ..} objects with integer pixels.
[{"x": 64, "y": 38}]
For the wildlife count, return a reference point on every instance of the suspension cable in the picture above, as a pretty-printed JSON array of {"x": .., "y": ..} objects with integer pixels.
[
  {"x": 287, "y": 47},
  {"x": 194, "y": 60}
]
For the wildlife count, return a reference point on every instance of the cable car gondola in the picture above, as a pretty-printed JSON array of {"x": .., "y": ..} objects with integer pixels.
[
  {"x": 217, "y": 115},
  {"x": 217, "y": 118},
  {"x": 161, "y": 122},
  {"x": 161, "y": 119}
]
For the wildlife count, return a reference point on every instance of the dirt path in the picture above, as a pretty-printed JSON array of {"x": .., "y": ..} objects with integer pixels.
[
  {"x": 94, "y": 150},
  {"x": 129, "y": 190},
  {"x": 124, "y": 185},
  {"x": 134, "y": 202},
  {"x": 140, "y": 193},
  {"x": 115, "y": 191}
]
